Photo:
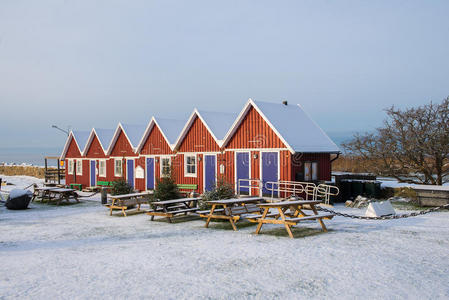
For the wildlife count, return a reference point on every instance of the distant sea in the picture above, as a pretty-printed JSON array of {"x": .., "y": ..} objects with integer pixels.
[
  {"x": 35, "y": 155},
  {"x": 29, "y": 155}
]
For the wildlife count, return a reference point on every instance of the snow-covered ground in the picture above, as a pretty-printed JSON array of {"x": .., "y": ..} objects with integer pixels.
[{"x": 79, "y": 251}]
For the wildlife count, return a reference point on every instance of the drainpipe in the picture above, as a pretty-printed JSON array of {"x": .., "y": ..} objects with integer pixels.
[{"x": 336, "y": 157}]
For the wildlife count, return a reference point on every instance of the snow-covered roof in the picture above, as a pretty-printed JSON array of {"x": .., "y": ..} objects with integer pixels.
[
  {"x": 104, "y": 137},
  {"x": 80, "y": 138},
  {"x": 169, "y": 128},
  {"x": 132, "y": 132},
  {"x": 217, "y": 123},
  {"x": 292, "y": 125}
]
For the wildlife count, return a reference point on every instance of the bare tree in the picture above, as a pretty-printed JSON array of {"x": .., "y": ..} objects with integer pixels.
[{"x": 412, "y": 146}]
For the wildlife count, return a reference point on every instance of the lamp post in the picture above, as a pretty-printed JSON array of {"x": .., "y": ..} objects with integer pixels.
[{"x": 56, "y": 127}]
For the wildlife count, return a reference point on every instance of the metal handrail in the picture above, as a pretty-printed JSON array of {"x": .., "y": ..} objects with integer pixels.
[
  {"x": 251, "y": 183},
  {"x": 325, "y": 191},
  {"x": 292, "y": 187}
]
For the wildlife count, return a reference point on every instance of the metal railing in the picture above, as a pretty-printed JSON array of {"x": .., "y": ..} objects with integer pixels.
[
  {"x": 249, "y": 184},
  {"x": 291, "y": 188},
  {"x": 324, "y": 192}
]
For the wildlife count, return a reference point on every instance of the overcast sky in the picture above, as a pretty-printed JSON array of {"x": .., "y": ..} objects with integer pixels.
[{"x": 94, "y": 63}]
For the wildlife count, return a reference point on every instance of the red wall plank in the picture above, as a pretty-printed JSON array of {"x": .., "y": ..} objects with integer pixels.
[
  {"x": 198, "y": 139},
  {"x": 155, "y": 143},
  {"x": 254, "y": 133},
  {"x": 122, "y": 147},
  {"x": 95, "y": 150}
]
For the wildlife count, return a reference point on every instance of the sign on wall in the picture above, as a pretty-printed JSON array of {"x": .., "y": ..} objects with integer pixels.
[{"x": 140, "y": 172}]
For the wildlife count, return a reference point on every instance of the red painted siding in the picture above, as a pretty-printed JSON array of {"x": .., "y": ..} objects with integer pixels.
[
  {"x": 95, "y": 150},
  {"x": 122, "y": 147},
  {"x": 324, "y": 164},
  {"x": 73, "y": 151},
  {"x": 198, "y": 139},
  {"x": 226, "y": 159},
  {"x": 255, "y": 170},
  {"x": 155, "y": 143},
  {"x": 254, "y": 133},
  {"x": 178, "y": 171},
  {"x": 110, "y": 170}
]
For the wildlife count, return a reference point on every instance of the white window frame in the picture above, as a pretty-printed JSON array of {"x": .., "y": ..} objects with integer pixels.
[
  {"x": 115, "y": 167},
  {"x": 162, "y": 165},
  {"x": 186, "y": 174},
  {"x": 79, "y": 163},
  {"x": 100, "y": 173},
  {"x": 70, "y": 167}
]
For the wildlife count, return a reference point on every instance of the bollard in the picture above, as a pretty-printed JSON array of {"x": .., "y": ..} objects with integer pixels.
[{"x": 104, "y": 195}]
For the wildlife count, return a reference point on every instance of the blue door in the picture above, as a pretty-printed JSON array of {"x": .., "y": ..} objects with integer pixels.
[
  {"x": 269, "y": 171},
  {"x": 93, "y": 177},
  {"x": 210, "y": 171},
  {"x": 150, "y": 173},
  {"x": 130, "y": 171},
  {"x": 242, "y": 168}
]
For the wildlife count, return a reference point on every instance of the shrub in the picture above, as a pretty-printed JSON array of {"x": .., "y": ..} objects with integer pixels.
[
  {"x": 166, "y": 188},
  {"x": 121, "y": 187},
  {"x": 222, "y": 190}
]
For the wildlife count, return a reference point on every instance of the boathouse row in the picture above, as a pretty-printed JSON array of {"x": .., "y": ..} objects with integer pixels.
[{"x": 266, "y": 141}]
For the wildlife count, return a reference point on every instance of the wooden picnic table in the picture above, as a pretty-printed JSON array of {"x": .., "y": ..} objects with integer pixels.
[
  {"x": 170, "y": 208},
  {"x": 41, "y": 192},
  {"x": 61, "y": 194},
  {"x": 293, "y": 216},
  {"x": 123, "y": 202},
  {"x": 231, "y": 209}
]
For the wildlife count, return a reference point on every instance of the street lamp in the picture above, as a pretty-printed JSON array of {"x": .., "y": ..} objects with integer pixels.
[{"x": 56, "y": 127}]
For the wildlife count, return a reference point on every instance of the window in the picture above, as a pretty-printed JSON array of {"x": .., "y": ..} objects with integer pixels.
[
  {"x": 79, "y": 167},
  {"x": 118, "y": 168},
  {"x": 70, "y": 166},
  {"x": 102, "y": 168},
  {"x": 165, "y": 166},
  {"x": 190, "y": 166},
  {"x": 310, "y": 171},
  {"x": 314, "y": 171}
]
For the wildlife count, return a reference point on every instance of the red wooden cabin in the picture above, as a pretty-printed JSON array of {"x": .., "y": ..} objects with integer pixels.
[
  {"x": 156, "y": 150},
  {"x": 271, "y": 142},
  {"x": 199, "y": 149},
  {"x": 76, "y": 170},
  {"x": 122, "y": 153},
  {"x": 95, "y": 153}
]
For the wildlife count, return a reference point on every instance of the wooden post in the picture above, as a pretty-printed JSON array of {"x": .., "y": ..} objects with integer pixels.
[
  {"x": 59, "y": 172},
  {"x": 45, "y": 170}
]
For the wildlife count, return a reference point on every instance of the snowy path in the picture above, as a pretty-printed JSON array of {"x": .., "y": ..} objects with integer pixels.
[{"x": 78, "y": 251}]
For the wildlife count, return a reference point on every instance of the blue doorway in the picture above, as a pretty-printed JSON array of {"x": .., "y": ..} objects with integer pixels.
[
  {"x": 242, "y": 170},
  {"x": 130, "y": 171},
  {"x": 270, "y": 171},
  {"x": 93, "y": 175},
  {"x": 210, "y": 171},
  {"x": 150, "y": 173}
]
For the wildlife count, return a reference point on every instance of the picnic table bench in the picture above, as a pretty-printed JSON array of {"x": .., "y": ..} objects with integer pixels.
[
  {"x": 41, "y": 192},
  {"x": 126, "y": 201},
  {"x": 54, "y": 194},
  {"x": 231, "y": 209},
  {"x": 289, "y": 213},
  {"x": 170, "y": 208}
]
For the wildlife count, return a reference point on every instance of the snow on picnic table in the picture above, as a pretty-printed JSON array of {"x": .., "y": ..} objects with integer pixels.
[{"x": 79, "y": 251}]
